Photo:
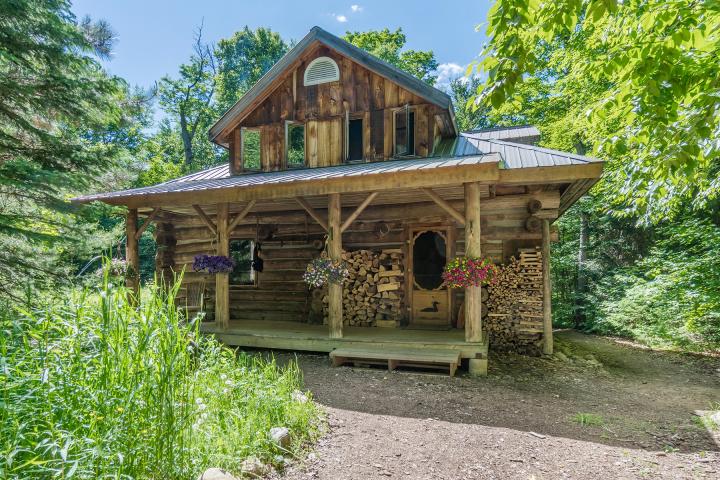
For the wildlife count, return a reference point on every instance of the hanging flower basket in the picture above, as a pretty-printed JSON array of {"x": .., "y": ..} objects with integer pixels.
[
  {"x": 213, "y": 263},
  {"x": 322, "y": 270},
  {"x": 463, "y": 272}
]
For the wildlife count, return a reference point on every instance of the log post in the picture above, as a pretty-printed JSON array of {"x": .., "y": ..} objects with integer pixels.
[
  {"x": 473, "y": 326},
  {"x": 335, "y": 291},
  {"x": 132, "y": 254},
  {"x": 547, "y": 290},
  {"x": 222, "y": 280},
  {"x": 473, "y": 295}
]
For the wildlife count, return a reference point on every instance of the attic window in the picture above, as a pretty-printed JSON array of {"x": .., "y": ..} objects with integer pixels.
[{"x": 321, "y": 70}]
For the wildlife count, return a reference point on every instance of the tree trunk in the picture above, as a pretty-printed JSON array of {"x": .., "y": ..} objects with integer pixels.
[
  {"x": 187, "y": 140},
  {"x": 581, "y": 285}
]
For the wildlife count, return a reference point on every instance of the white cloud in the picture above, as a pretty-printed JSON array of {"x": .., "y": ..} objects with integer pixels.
[
  {"x": 446, "y": 72},
  {"x": 341, "y": 18},
  {"x": 356, "y": 8}
]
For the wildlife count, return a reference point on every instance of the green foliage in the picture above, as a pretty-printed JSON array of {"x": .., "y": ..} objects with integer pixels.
[
  {"x": 242, "y": 60},
  {"x": 94, "y": 387},
  {"x": 388, "y": 46},
  {"x": 462, "y": 92},
  {"x": 670, "y": 298},
  {"x": 64, "y": 124},
  {"x": 588, "y": 419},
  {"x": 644, "y": 70}
]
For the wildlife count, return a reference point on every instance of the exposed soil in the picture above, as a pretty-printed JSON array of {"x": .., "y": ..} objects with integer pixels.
[{"x": 520, "y": 421}]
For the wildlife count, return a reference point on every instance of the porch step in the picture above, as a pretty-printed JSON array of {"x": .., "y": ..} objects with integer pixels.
[{"x": 398, "y": 357}]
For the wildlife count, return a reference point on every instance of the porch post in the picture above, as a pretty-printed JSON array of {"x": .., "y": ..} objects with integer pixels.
[
  {"x": 335, "y": 306},
  {"x": 473, "y": 299},
  {"x": 132, "y": 255},
  {"x": 547, "y": 290},
  {"x": 222, "y": 280},
  {"x": 473, "y": 325}
]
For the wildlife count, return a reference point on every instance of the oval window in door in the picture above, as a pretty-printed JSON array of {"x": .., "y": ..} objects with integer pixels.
[{"x": 429, "y": 259}]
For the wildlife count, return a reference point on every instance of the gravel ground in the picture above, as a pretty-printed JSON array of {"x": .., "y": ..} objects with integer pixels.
[{"x": 522, "y": 421}]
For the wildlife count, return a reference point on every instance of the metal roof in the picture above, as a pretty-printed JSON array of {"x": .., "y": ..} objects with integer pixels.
[
  {"x": 519, "y": 133},
  {"x": 219, "y": 177},
  {"x": 372, "y": 63},
  {"x": 467, "y": 149},
  {"x": 515, "y": 155}
]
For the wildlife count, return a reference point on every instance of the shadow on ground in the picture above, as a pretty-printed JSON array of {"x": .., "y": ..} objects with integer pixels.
[{"x": 593, "y": 389}]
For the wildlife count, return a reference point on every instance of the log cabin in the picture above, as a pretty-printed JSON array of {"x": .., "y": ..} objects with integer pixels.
[{"x": 336, "y": 151}]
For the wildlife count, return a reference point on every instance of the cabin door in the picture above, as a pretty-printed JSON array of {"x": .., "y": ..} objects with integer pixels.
[{"x": 430, "y": 299}]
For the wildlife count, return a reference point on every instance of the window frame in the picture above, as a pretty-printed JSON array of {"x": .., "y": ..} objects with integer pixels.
[
  {"x": 253, "y": 273},
  {"x": 245, "y": 168},
  {"x": 288, "y": 124},
  {"x": 408, "y": 109},
  {"x": 346, "y": 147}
]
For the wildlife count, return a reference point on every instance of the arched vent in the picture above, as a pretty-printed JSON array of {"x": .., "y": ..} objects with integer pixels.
[{"x": 321, "y": 70}]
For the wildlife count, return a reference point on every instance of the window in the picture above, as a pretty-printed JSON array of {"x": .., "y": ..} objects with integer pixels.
[
  {"x": 250, "y": 139},
  {"x": 321, "y": 70},
  {"x": 241, "y": 251},
  {"x": 294, "y": 144},
  {"x": 404, "y": 126},
  {"x": 355, "y": 140}
]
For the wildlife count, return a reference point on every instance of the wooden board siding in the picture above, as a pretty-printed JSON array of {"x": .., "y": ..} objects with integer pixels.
[{"x": 322, "y": 108}]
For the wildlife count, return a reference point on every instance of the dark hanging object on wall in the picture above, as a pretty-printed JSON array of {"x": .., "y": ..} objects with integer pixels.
[
  {"x": 381, "y": 229},
  {"x": 257, "y": 263}
]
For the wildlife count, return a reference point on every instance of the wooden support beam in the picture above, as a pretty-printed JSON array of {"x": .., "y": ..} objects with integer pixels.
[
  {"x": 335, "y": 305},
  {"x": 205, "y": 219},
  {"x": 132, "y": 254},
  {"x": 473, "y": 301},
  {"x": 222, "y": 280},
  {"x": 442, "y": 203},
  {"x": 239, "y": 217},
  {"x": 547, "y": 290},
  {"x": 146, "y": 223},
  {"x": 353, "y": 216},
  {"x": 313, "y": 213}
]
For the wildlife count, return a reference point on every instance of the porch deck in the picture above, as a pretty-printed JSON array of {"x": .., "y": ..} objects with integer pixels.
[{"x": 314, "y": 338}]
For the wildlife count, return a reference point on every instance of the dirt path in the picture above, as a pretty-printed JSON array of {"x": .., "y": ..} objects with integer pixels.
[{"x": 522, "y": 421}]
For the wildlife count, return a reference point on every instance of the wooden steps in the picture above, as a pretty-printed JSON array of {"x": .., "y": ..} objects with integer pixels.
[{"x": 398, "y": 357}]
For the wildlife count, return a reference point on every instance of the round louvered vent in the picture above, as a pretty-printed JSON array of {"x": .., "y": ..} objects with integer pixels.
[{"x": 321, "y": 70}]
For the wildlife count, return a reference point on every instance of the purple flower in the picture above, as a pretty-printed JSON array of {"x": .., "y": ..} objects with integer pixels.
[{"x": 213, "y": 263}]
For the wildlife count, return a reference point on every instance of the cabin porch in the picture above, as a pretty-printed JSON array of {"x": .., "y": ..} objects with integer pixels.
[{"x": 288, "y": 335}]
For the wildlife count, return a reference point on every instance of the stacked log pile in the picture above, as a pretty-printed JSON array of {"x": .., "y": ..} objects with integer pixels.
[
  {"x": 515, "y": 304},
  {"x": 373, "y": 293}
]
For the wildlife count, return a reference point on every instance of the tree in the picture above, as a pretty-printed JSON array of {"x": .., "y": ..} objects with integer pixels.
[
  {"x": 55, "y": 102},
  {"x": 462, "y": 91},
  {"x": 242, "y": 59},
  {"x": 189, "y": 97},
  {"x": 389, "y": 46},
  {"x": 650, "y": 70}
]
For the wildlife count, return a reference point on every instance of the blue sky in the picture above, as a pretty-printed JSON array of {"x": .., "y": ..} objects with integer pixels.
[{"x": 155, "y": 36}]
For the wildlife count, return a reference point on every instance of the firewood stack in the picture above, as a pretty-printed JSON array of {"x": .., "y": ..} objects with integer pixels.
[
  {"x": 515, "y": 304},
  {"x": 373, "y": 293}
]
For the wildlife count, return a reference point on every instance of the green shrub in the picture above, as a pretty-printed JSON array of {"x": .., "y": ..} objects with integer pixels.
[{"x": 93, "y": 387}]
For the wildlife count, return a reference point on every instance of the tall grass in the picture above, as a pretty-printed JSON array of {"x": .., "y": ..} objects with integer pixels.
[{"x": 95, "y": 387}]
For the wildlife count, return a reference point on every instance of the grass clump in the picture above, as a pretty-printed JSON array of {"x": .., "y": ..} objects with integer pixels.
[
  {"x": 95, "y": 387},
  {"x": 588, "y": 419}
]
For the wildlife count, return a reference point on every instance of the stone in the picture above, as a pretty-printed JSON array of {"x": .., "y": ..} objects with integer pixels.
[
  {"x": 280, "y": 436},
  {"x": 252, "y": 466},
  {"x": 216, "y": 474}
]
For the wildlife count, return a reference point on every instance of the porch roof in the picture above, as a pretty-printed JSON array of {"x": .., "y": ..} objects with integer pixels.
[
  {"x": 267, "y": 184},
  {"x": 463, "y": 159}
]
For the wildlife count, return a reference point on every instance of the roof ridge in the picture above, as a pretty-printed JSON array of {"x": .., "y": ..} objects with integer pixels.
[{"x": 366, "y": 59}]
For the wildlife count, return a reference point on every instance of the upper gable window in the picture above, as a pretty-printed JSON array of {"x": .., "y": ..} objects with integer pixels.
[
  {"x": 321, "y": 70},
  {"x": 250, "y": 152},
  {"x": 294, "y": 144},
  {"x": 404, "y": 131}
]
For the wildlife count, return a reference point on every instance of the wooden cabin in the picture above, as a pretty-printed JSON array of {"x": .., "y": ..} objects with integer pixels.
[{"x": 336, "y": 151}]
